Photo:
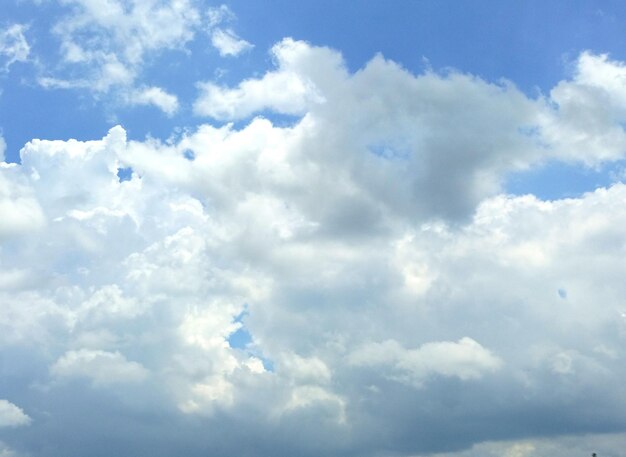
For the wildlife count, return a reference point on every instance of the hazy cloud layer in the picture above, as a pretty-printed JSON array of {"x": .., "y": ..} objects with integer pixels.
[{"x": 396, "y": 302}]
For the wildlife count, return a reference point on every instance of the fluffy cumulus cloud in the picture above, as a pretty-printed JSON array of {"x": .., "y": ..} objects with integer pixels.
[
  {"x": 289, "y": 90},
  {"x": 394, "y": 300}
]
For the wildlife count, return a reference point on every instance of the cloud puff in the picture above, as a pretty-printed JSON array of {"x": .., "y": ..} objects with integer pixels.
[
  {"x": 13, "y": 46},
  {"x": 127, "y": 32},
  {"x": 120, "y": 37},
  {"x": 11, "y": 415},
  {"x": 106, "y": 47},
  {"x": 228, "y": 43},
  {"x": 100, "y": 366},
  {"x": 394, "y": 299},
  {"x": 156, "y": 96},
  {"x": 19, "y": 206},
  {"x": 286, "y": 90},
  {"x": 465, "y": 359},
  {"x": 224, "y": 39}
]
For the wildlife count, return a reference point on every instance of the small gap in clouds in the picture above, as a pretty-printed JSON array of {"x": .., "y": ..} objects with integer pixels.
[
  {"x": 242, "y": 339},
  {"x": 558, "y": 180},
  {"x": 189, "y": 155},
  {"x": 124, "y": 174},
  {"x": 389, "y": 151}
]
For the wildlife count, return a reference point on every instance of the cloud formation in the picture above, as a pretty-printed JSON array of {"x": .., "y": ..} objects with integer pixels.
[
  {"x": 395, "y": 300},
  {"x": 228, "y": 43},
  {"x": 106, "y": 47},
  {"x": 13, "y": 46},
  {"x": 156, "y": 96}
]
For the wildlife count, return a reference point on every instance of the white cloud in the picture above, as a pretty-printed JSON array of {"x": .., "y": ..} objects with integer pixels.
[
  {"x": 13, "y": 46},
  {"x": 11, "y": 415},
  {"x": 156, "y": 96},
  {"x": 465, "y": 359},
  {"x": 286, "y": 90},
  {"x": 587, "y": 124},
  {"x": 104, "y": 46},
  {"x": 310, "y": 370},
  {"x": 224, "y": 39},
  {"x": 21, "y": 211},
  {"x": 307, "y": 396},
  {"x": 356, "y": 247},
  {"x": 102, "y": 367},
  {"x": 228, "y": 43},
  {"x": 219, "y": 14},
  {"x": 130, "y": 31}
]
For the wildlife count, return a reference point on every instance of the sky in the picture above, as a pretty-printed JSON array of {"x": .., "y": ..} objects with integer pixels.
[{"x": 313, "y": 228}]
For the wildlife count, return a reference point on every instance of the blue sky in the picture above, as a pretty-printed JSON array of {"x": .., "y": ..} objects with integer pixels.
[{"x": 312, "y": 228}]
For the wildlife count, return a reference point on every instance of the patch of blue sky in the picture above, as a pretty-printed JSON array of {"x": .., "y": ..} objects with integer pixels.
[
  {"x": 390, "y": 150},
  {"x": 242, "y": 339},
  {"x": 557, "y": 180},
  {"x": 124, "y": 174},
  {"x": 189, "y": 155},
  {"x": 526, "y": 42}
]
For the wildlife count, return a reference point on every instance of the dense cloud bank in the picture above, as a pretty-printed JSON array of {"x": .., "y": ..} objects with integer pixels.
[{"x": 395, "y": 301}]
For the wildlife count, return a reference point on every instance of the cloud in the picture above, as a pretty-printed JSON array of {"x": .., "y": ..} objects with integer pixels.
[
  {"x": 383, "y": 279},
  {"x": 224, "y": 39},
  {"x": 13, "y": 46},
  {"x": 11, "y": 415},
  {"x": 21, "y": 211},
  {"x": 129, "y": 31},
  {"x": 285, "y": 91},
  {"x": 590, "y": 109},
  {"x": 465, "y": 359},
  {"x": 219, "y": 14},
  {"x": 156, "y": 96},
  {"x": 415, "y": 120},
  {"x": 101, "y": 367},
  {"x": 228, "y": 43},
  {"x": 104, "y": 47}
]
